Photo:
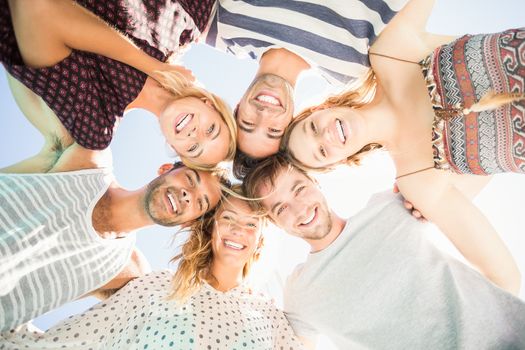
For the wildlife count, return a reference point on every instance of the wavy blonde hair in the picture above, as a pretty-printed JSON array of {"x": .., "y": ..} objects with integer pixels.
[
  {"x": 180, "y": 87},
  {"x": 356, "y": 97},
  {"x": 197, "y": 255}
]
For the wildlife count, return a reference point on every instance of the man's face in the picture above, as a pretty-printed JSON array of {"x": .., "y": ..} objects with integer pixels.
[
  {"x": 181, "y": 195},
  {"x": 264, "y": 112},
  {"x": 297, "y": 205}
]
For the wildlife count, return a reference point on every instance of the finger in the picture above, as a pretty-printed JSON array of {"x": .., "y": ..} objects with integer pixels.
[
  {"x": 408, "y": 205},
  {"x": 395, "y": 189},
  {"x": 417, "y": 214}
]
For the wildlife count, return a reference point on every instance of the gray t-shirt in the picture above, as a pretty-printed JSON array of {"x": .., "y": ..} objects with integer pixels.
[{"x": 382, "y": 285}]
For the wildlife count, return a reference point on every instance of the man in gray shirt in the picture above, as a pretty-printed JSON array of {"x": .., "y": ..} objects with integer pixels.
[{"x": 374, "y": 281}]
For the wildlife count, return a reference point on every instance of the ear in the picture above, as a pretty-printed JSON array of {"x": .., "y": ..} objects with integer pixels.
[
  {"x": 208, "y": 102},
  {"x": 164, "y": 168}
]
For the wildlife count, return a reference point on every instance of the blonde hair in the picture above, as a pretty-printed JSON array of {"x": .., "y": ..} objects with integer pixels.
[
  {"x": 356, "y": 97},
  {"x": 197, "y": 256},
  {"x": 180, "y": 87}
]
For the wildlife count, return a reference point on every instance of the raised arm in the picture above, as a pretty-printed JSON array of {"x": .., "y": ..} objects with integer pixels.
[
  {"x": 47, "y": 31},
  {"x": 56, "y": 137},
  {"x": 59, "y": 152},
  {"x": 406, "y": 36},
  {"x": 464, "y": 224}
]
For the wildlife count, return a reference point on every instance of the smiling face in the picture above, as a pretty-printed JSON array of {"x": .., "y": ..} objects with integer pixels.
[
  {"x": 296, "y": 205},
  {"x": 264, "y": 112},
  {"x": 327, "y": 137},
  {"x": 236, "y": 233},
  {"x": 180, "y": 196},
  {"x": 195, "y": 130}
]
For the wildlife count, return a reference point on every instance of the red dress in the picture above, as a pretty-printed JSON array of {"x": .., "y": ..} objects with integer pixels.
[{"x": 89, "y": 92}]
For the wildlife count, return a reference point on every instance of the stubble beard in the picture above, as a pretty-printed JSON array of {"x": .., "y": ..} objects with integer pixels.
[
  {"x": 321, "y": 230},
  {"x": 153, "y": 194}
]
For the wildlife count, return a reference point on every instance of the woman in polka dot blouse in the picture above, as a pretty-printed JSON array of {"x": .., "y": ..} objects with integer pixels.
[
  {"x": 90, "y": 60},
  {"x": 205, "y": 305}
]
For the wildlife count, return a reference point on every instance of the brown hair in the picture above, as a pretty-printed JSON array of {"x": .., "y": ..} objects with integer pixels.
[
  {"x": 265, "y": 172},
  {"x": 180, "y": 87},
  {"x": 197, "y": 256},
  {"x": 357, "y": 97}
]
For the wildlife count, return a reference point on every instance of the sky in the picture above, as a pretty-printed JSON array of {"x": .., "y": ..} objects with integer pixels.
[{"x": 139, "y": 149}]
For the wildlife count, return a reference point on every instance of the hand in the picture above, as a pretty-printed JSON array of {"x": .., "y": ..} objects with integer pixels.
[{"x": 415, "y": 213}]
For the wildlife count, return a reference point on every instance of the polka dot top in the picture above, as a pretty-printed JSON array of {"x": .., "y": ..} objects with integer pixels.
[{"x": 139, "y": 316}]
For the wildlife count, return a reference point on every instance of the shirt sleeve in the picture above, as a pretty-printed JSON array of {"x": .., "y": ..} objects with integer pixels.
[
  {"x": 300, "y": 326},
  {"x": 114, "y": 321}
]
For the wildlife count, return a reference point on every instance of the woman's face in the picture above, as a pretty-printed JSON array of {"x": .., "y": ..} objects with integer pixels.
[
  {"x": 195, "y": 130},
  {"x": 327, "y": 137},
  {"x": 236, "y": 233}
]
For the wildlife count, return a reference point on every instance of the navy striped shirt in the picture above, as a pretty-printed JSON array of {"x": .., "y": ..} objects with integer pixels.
[{"x": 332, "y": 35}]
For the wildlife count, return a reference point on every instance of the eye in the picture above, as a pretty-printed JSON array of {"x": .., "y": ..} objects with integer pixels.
[
  {"x": 192, "y": 148},
  {"x": 226, "y": 218},
  {"x": 280, "y": 210},
  {"x": 275, "y": 130},
  {"x": 299, "y": 190},
  {"x": 190, "y": 180},
  {"x": 314, "y": 129},
  {"x": 210, "y": 129},
  {"x": 322, "y": 151},
  {"x": 251, "y": 225},
  {"x": 201, "y": 206}
]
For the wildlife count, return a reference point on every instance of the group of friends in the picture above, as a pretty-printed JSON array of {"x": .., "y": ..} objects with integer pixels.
[{"x": 449, "y": 111}]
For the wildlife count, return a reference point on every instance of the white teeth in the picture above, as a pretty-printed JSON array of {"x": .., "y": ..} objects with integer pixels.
[
  {"x": 184, "y": 121},
  {"x": 309, "y": 219},
  {"x": 173, "y": 202},
  {"x": 233, "y": 245},
  {"x": 268, "y": 99},
  {"x": 340, "y": 131}
]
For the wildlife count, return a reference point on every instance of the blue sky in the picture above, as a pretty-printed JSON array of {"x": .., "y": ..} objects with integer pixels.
[{"x": 138, "y": 148}]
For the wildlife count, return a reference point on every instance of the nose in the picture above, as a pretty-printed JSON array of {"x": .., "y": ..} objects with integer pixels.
[
  {"x": 327, "y": 136},
  {"x": 186, "y": 197},
  {"x": 192, "y": 132}
]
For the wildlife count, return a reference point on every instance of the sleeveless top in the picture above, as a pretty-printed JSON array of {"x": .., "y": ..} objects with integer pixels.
[
  {"x": 89, "y": 92},
  {"x": 460, "y": 74},
  {"x": 49, "y": 252}
]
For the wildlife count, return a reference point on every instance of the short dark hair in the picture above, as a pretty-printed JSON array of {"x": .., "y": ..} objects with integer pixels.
[
  {"x": 243, "y": 163},
  {"x": 265, "y": 172}
]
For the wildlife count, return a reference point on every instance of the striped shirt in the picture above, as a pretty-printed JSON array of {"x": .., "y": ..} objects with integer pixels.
[
  {"x": 49, "y": 252},
  {"x": 332, "y": 35}
]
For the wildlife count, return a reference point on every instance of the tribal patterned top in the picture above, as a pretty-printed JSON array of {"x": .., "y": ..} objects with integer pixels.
[
  {"x": 460, "y": 74},
  {"x": 89, "y": 92}
]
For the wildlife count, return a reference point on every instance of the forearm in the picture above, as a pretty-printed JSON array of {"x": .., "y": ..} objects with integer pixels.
[
  {"x": 475, "y": 237},
  {"x": 47, "y": 30},
  {"x": 82, "y": 30}
]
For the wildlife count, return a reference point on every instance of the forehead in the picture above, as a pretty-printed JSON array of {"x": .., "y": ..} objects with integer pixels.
[
  {"x": 236, "y": 205},
  {"x": 256, "y": 144},
  {"x": 283, "y": 183}
]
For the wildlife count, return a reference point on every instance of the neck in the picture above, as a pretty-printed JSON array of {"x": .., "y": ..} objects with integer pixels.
[
  {"x": 225, "y": 276},
  {"x": 120, "y": 212},
  {"x": 152, "y": 98},
  {"x": 379, "y": 120},
  {"x": 283, "y": 63},
  {"x": 337, "y": 227}
]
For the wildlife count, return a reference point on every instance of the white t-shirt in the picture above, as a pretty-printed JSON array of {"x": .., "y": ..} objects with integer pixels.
[{"x": 382, "y": 285}]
